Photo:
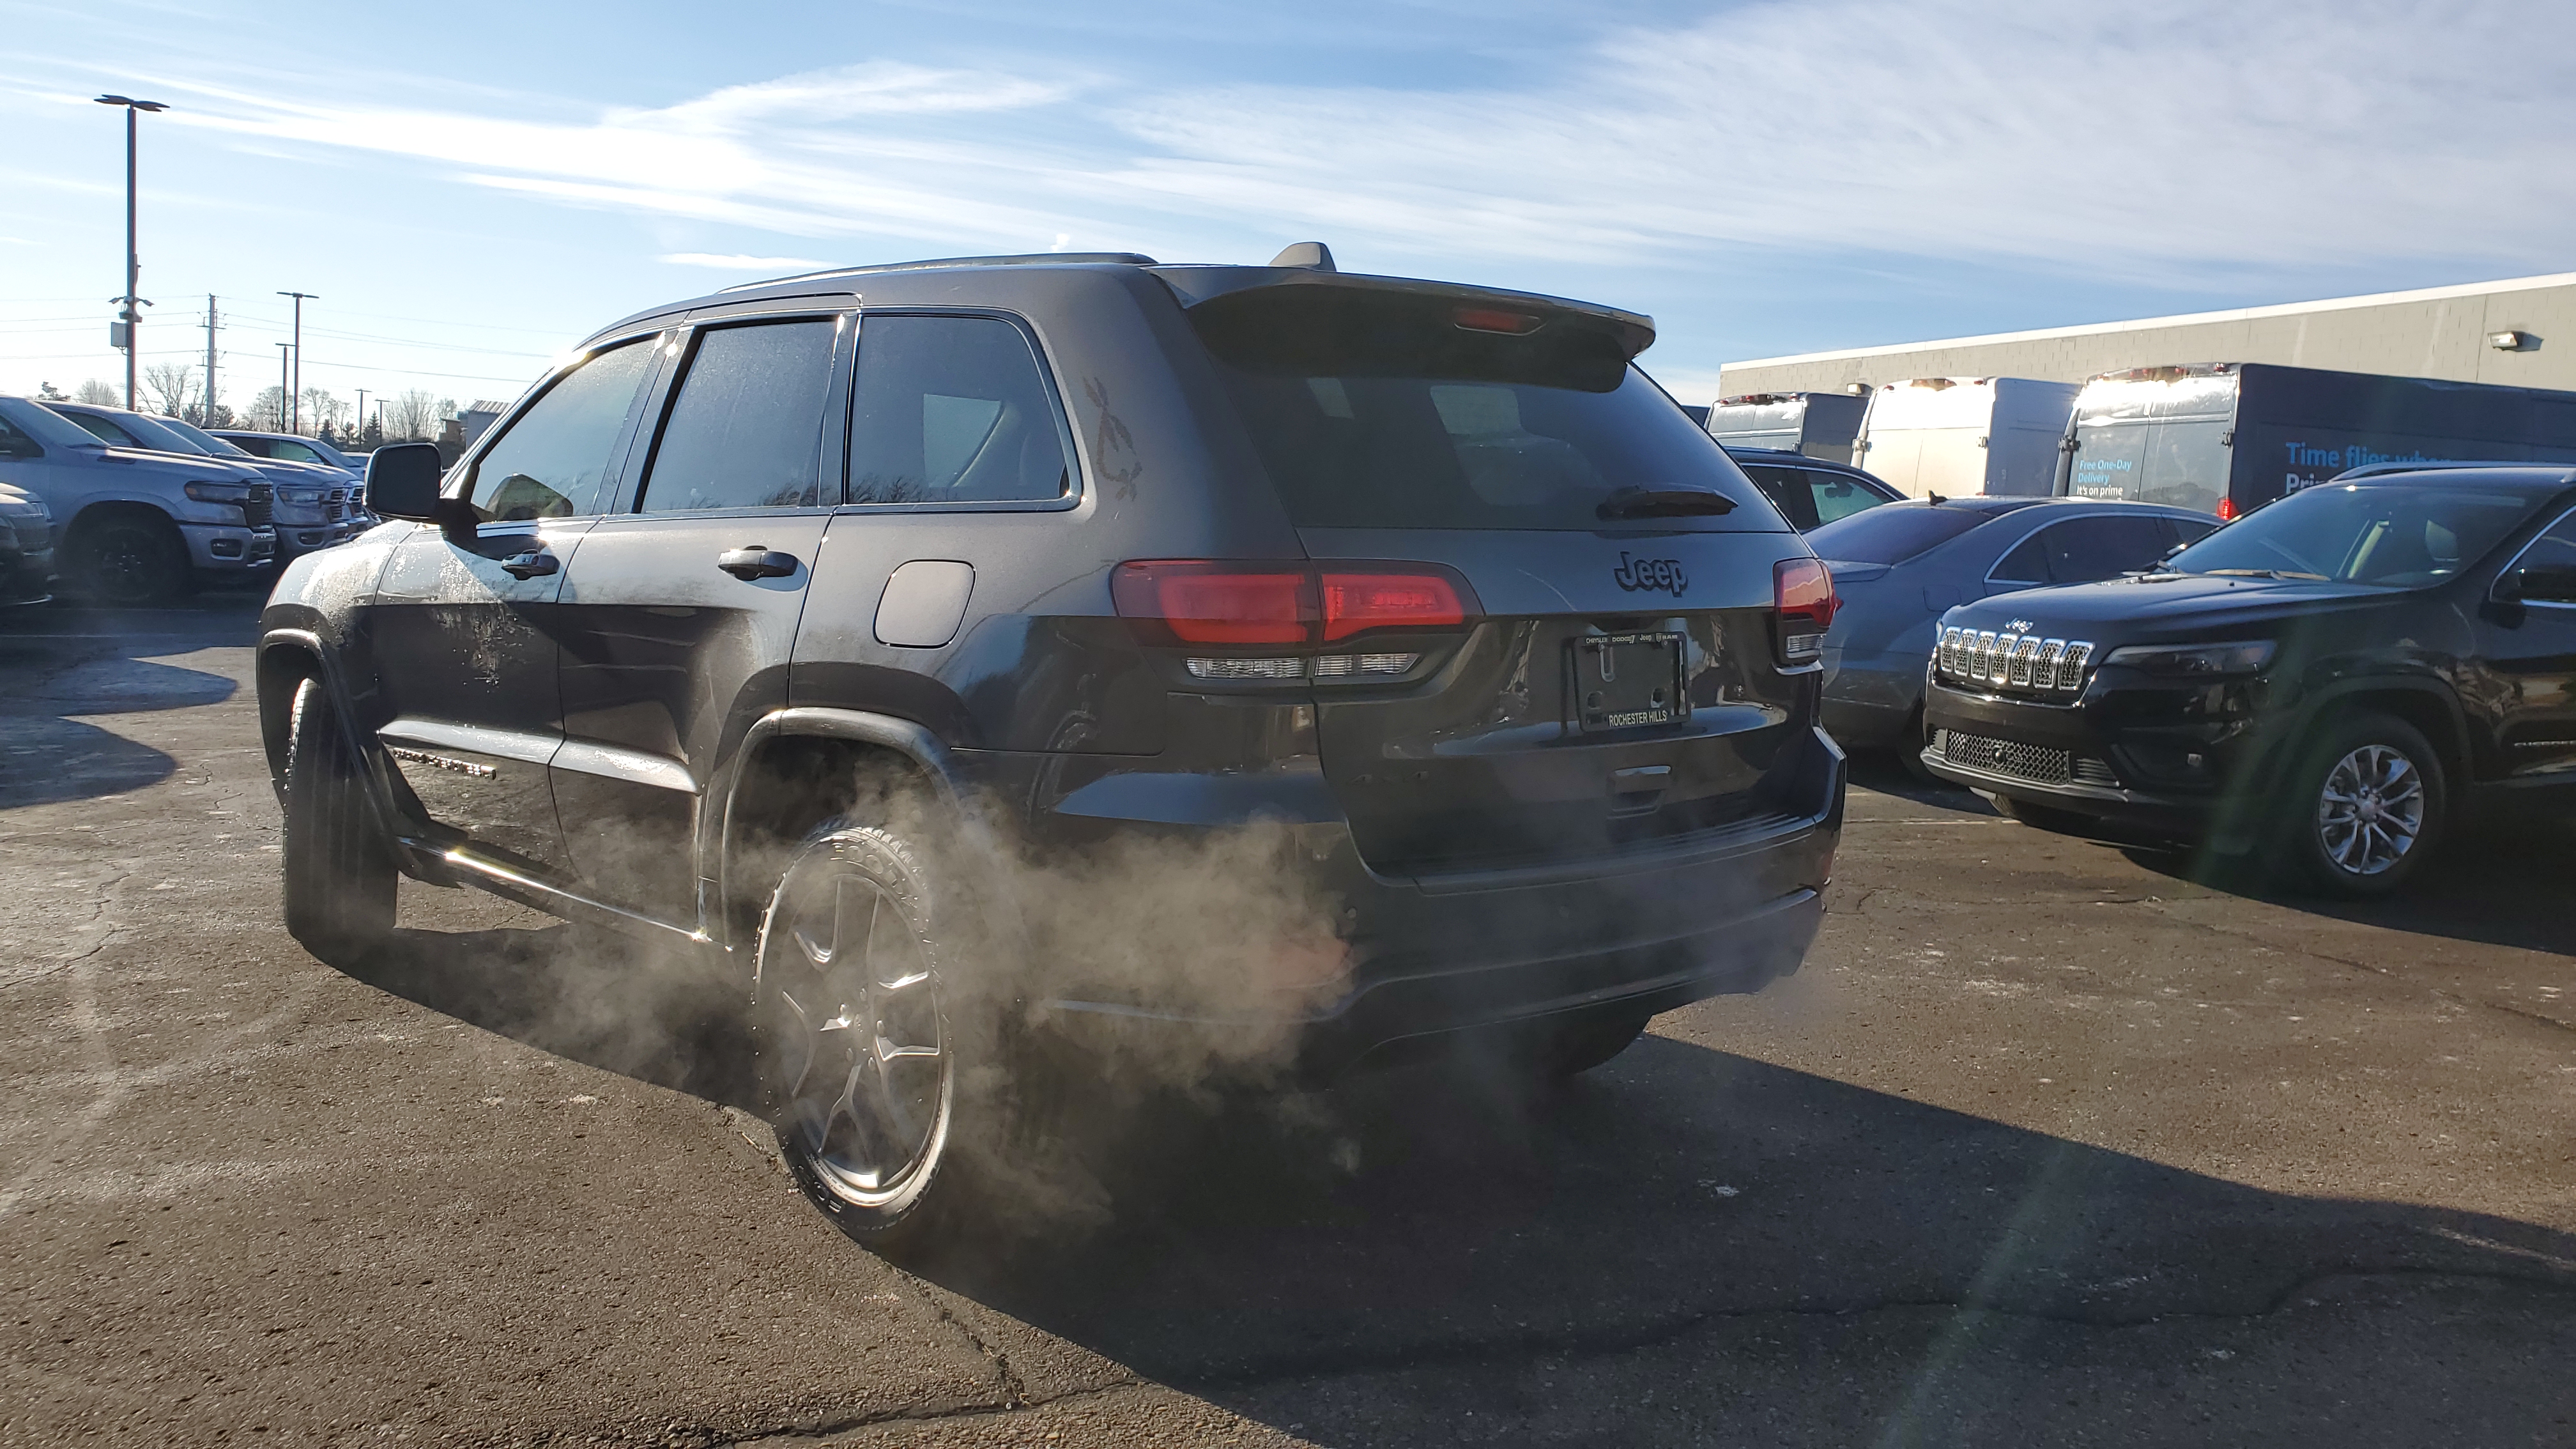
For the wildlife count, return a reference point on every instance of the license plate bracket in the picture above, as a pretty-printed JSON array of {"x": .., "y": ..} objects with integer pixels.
[{"x": 1626, "y": 681}]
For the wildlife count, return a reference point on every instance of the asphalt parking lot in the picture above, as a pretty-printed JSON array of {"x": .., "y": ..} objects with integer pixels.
[{"x": 2047, "y": 1145}]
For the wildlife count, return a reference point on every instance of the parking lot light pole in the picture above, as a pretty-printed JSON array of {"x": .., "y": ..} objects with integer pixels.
[
  {"x": 132, "y": 315},
  {"x": 294, "y": 402},
  {"x": 283, "y": 396}
]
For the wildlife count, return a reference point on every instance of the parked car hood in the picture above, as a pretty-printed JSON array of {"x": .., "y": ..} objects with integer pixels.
[
  {"x": 2160, "y": 604},
  {"x": 195, "y": 465}
]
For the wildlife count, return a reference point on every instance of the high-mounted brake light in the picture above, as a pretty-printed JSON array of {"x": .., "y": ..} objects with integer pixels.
[
  {"x": 1802, "y": 593},
  {"x": 1495, "y": 319},
  {"x": 2227, "y": 510},
  {"x": 1206, "y": 601}
]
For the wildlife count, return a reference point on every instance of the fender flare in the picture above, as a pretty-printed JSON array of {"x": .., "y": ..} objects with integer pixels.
[
  {"x": 326, "y": 667},
  {"x": 2461, "y": 744},
  {"x": 720, "y": 830}
]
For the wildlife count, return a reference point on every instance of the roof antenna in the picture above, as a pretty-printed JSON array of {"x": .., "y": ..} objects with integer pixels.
[
  {"x": 1313, "y": 255},
  {"x": 1935, "y": 499}
]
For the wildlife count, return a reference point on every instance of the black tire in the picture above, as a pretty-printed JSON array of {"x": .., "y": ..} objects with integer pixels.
[
  {"x": 2047, "y": 817},
  {"x": 128, "y": 559},
  {"x": 339, "y": 872},
  {"x": 888, "y": 1169},
  {"x": 2364, "y": 808}
]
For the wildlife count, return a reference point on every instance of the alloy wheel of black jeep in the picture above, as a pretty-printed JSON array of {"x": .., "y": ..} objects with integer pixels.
[
  {"x": 2367, "y": 809},
  {"x": 129, "y": 561},
  {"x": 858, "y": 1060},
  {"x": 338, "y": 874}
]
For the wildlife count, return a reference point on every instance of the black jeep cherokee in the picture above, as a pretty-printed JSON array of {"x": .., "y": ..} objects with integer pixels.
[
  {"x": 809, "y": 624},
  {"x": 2329, "y": 680}
]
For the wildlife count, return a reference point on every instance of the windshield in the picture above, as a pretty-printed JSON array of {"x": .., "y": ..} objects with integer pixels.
[
  {"x": 1380, "y": 412},
  {"x": 2395, "y": 535},
  {"x": 46, "y": 426},
  {"x": 1895, "y": 533},
  {"x": 206, "y": 442},
  {"x": 157, "y": 433}
]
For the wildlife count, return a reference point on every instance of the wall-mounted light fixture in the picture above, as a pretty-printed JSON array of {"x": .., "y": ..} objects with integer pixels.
[{"x": 2509, "y": 341}]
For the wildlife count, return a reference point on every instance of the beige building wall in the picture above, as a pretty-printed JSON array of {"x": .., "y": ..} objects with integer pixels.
[{"x": 2438, "y": 332}]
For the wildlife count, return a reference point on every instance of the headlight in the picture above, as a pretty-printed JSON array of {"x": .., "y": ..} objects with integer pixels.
[
  {"x": 2195, "y": 661},
  {"x": 219, "y": 492},
  {"x": 300, "y": 493}
]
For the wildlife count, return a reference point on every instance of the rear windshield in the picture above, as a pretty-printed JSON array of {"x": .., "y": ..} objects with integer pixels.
[
  {"x": 2396, "y": 535},
  {"x": 1894, "y": 534},
  {"x": 1371, "y": 411}
]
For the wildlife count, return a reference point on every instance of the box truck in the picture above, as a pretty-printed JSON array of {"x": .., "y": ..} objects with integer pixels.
[
  {"x": 1818, "y": 424},
  {"x": 1960, "y": 436},
  {"x": 2229, "y": 437}
]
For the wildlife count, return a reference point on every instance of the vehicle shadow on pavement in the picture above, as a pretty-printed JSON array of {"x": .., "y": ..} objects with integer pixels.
[
  {"x": 1688, "y": 1239},
  {"x": 593, "y": 997},
  {"x": 2498, "y": 883},
  {"x": 59, "y": 665}
]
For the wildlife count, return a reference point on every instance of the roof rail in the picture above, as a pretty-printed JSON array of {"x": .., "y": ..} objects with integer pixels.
[{"x": 2426, "y": 465}]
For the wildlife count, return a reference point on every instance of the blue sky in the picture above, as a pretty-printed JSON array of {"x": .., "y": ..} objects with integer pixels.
[{"x": 473, "y": 187}]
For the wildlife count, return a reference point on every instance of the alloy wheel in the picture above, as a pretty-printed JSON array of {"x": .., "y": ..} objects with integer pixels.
[
  {"x": 864, "y": 1069},
  {"x": 2371, "y": 810}
]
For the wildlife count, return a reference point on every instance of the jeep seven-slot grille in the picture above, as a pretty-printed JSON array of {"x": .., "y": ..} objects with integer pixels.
[{"x": 1988, "y": 660}]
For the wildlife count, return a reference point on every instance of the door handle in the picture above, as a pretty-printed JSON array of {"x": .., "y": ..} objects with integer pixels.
[
  {"x": 756, "y": 562},
  {"x": 535, "y": 563}
]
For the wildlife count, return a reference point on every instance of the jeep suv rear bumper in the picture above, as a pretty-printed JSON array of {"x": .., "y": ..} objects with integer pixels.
[{"x": 1643, "y": 931}]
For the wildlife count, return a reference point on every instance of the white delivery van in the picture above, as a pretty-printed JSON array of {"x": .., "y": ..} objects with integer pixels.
[
  {"x": 1963, "y": 436},
  {"x": 1818, "y": 424}
]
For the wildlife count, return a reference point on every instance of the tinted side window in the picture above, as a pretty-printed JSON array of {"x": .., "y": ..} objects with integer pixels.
[
  {"x": 2190, "y": 530},
  {"x": 1788, "y": 490},
  {"x": 1839, "y": 497},
  {"x": 746, "y": 425},
  {"x": 293, "y": 453},
  {"x": 2554, "y": 552},
  {"x": 554, "y": 459},
  {"x": 953, "y": 410},
  {"x": 2083, "y": 550},
  {"x": 16, "y": 444},
  {"x": 2027, "y": 564}
]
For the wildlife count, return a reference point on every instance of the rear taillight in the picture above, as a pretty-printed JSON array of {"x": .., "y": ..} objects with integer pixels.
[
  {"x": 1356, "y": 603},
  {"x": 1802, "y": 596},
  {"x": 1273, "y": 620}
]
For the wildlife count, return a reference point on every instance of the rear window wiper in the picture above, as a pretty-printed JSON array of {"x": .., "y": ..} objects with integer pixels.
[{"x": 1663, "y": 503}]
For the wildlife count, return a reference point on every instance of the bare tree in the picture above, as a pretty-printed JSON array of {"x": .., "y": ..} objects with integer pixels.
[
  {"x": 322, "y": 410},
  {"x": 415, "y": 415},
  {"x": 99, "y": 394},
  {"x": 173, "y": 386},
  {"x": 267, "y": 412}
]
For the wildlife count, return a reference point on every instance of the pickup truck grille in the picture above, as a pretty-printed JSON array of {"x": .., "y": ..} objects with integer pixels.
[
  {"x": 1986, "y": 660},
  {"x": 258, "y": 507}
]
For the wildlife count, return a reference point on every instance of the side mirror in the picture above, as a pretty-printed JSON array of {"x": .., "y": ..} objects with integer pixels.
[{"x": 402, "y": 482}]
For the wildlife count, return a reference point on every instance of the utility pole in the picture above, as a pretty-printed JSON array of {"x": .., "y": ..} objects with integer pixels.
[
  {"x": 294, "y": 404},
  {"x": 130, "y": 317},
  {"x": 361, "y": 424},
  {"x": 206, "y": 410},
  {"x": 283, "y": 395}
]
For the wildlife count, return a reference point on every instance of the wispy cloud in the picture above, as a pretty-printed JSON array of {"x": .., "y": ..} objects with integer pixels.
[
  {"x": 737, "y": 262},
  {"x": 2200, "y": 136}
]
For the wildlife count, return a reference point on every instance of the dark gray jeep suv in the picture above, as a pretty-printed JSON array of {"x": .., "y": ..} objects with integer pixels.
[{"x": 971, "y": 651}]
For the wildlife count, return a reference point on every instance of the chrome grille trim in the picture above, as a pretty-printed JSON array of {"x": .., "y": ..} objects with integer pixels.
[{"x": 1985, "y": 658}]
